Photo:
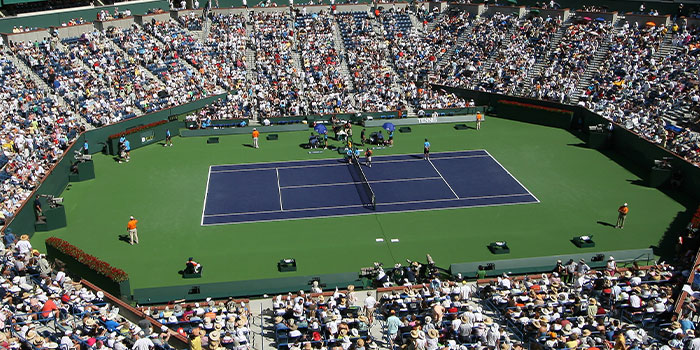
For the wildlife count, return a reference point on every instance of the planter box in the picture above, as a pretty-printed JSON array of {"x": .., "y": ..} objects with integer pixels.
[{"x": 77, "y": 269}]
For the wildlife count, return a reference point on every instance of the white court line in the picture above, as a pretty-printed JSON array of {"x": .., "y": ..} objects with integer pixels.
[
  {"x": 279, "y": 189},
  {"x": 361, "y": 214},
  {"x": 341, "y": 164},
  {"x": 359, "y": 182},
  {"x": 511, "y": 175},
  {"x": 378, "y": 204},
  {"x": 325, "y": 159},
  {"x": 443, "y": 179},
  {"x": 206, "y": 192}
]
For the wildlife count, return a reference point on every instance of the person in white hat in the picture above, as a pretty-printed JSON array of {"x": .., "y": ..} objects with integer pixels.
[
  {"x": 256, "y": 134},
  {"x": 133, "y": 232},
  {"x": 622, "y": 214}
]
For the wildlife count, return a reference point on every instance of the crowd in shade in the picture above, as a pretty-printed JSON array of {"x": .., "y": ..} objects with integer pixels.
[
  {"x": 44, "y": 308},
  {"x": 35, "y": 131}
]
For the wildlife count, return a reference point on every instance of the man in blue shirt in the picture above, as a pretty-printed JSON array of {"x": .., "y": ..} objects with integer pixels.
[
  {"x": 124, "y": 151},
  {"x": 392, "y": 327},
  {"x": 127, "y": 150},
  {"x": 85, "y": 147},
  {"x": 168, "y": 139},
  {"x": 426, "y": 150}
]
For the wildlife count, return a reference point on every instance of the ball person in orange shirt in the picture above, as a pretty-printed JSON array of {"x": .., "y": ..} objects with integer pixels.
[
  {"x": 479, "y": 118},
  {"x": 133, "y": 233},
  {"x": 256, "y": 134},
  {"x": 622, "y": 214}
]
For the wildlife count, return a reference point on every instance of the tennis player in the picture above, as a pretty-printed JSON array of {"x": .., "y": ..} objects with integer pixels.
[
  {"x": 168, "y": 139},
  {"x": 368, "y": 157},
  {"x": 426, "y": 150}
]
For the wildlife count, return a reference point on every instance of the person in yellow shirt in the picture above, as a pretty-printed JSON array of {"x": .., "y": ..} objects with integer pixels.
[
  {"x": 133, "y": 232},
  {"x": 479, "y": 117},
  {"x": 195, "y": 342}
]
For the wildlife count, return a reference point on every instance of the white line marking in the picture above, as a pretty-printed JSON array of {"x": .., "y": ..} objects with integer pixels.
[
  {"x": 511, "y": 175},
  {"x": 279, "y": 189},
  {"x": 319, "y": 217},
  {"x": 443, "y": 179},
  {"x": 325, "y": 159},
  {"x": 206, "y": 192},
  {"x": 359, "y": 182},
  {"x": 340, "y": 164},
  {"x": 378, "y": 204},
  {"x": 289, "y": 167}
]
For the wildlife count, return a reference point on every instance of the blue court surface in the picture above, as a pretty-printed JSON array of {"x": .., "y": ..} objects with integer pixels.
[{"x": 331, "y": 187}]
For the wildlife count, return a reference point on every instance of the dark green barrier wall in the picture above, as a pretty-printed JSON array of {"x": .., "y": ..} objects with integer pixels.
[
  {"x": 55, "y": 19},
  {"x": 54, "y": 184},
  {"x": 455, "y": 111},
  {"x": 644, "y": 152},
  {"x": 530, "y": 115},
  {"x": 97, "y": 138},
  {"x": 146, "y": 137},
  {"x": 222, "y": 290}
]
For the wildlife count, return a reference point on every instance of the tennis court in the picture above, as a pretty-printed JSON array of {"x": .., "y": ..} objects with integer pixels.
[{"x": 257, "y": 192}]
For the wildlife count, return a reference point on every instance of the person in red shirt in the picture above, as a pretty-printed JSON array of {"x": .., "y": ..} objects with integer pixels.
[
  {"x": 50, "y": 308},
  {"x": 622, "y": 214}
]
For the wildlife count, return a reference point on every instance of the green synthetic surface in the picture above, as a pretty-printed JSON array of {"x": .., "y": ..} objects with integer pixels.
[{"x": 164, "y": 188}]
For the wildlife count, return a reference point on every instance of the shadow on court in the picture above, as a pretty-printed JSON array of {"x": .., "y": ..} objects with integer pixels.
[
  {"x": 605, "y": 223},
  {"x": 125, "y": 238}
]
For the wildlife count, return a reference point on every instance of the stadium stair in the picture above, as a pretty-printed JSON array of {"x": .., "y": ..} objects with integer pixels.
[
  {"x": 542, "y": 62},
  {"x": 36, "y": 79},
  {"x": 447, "y": 57},
  {"x": 439, "y": 19},
  {"x": 344, "y": 70},
  {"x": 592, "y": 68},
  {"x": 249, "y": 53},
  {"x": 124, "y": 55},
  {"x": 415, "y": 22}
]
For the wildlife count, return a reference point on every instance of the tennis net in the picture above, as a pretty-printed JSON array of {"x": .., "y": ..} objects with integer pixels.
[{"x": 365, "y": 184}]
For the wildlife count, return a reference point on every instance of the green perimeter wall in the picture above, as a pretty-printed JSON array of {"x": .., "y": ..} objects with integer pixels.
[{"x": 55, "y": 19}]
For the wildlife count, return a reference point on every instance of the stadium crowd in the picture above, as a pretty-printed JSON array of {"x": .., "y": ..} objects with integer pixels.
[
  {"x": 44, "y": 308},
  {"x": 35, "y": 132}
]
